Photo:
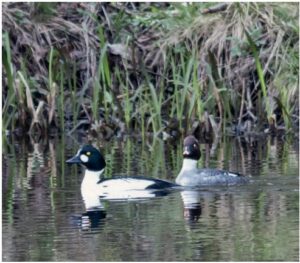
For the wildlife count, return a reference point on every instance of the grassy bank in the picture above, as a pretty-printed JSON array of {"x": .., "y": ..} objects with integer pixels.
[{"x": 115, "y": 68}]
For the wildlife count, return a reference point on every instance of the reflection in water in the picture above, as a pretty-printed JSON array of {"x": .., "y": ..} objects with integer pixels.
[
  {"x": 95, "y": 210},
  {"x": 255, "y": 222},
  {"x": 91, "y": 219},
  {"x": 192, "y": 206},
  {"x": 94, "y": 215}
]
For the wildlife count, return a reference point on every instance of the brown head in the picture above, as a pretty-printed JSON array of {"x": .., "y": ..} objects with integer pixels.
[{"x": 191, "y": 148}]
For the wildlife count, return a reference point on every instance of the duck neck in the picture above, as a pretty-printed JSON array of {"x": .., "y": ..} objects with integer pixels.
[
  {"x": 188, "y": 164},
  {"x": 89, "y": 189},
  {"x": 91, "y": 178}
]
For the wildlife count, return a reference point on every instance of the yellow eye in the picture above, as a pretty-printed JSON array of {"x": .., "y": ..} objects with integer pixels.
[{"x": 88, "y": 153}]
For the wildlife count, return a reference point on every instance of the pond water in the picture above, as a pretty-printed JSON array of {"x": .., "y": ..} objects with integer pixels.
[{"x": 44, "y": 217}]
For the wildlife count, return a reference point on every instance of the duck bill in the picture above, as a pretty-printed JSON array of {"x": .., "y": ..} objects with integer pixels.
[
  {"x": 186, "y": 151},
  {"x": 74, "y": 159}
]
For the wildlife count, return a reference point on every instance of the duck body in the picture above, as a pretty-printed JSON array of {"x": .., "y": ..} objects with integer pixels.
[
  {"x": 134, "y": 183},
  {"x": 206, "y": 177},
  {"x": 191, "y": 176},
  {"x": 133, "y": 187},
  {"x": 117, "y": 187}
]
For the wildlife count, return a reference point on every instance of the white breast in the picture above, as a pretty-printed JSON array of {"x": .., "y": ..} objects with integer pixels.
[
  {"x": 124, "y": 184},
  {"x": 188, "y": 165}
]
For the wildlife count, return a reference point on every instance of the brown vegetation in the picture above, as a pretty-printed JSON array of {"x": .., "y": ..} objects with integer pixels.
[{"x": 140, "y": 66}]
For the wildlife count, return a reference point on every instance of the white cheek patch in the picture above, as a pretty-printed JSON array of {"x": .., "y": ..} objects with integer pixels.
[{"x": 84, "y": 158}]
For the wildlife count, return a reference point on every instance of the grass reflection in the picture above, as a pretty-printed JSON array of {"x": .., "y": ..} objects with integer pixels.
[{"x": 255, "y": 222}]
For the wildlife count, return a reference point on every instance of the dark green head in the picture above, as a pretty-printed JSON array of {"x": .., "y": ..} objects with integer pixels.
[{"x": 90, "y": 157}]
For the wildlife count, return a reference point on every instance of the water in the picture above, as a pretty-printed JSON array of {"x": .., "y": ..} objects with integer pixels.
[{"x": 45, "y": 219}]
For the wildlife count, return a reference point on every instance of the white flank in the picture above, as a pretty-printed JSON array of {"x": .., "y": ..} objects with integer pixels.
[
  {"x": 119, "y": 188},
  {"x": 233, "y": 175},
  {"x": 124, "y": 184}
]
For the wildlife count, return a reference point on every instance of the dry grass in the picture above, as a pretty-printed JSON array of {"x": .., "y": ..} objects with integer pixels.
[
  {"x": 223, "y": 35},
  {"x": 130, "y": 63}
]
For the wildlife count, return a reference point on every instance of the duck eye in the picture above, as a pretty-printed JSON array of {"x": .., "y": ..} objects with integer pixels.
[
  {"x": 195, "y": 145},
  {"x": 88, "y": 153}
]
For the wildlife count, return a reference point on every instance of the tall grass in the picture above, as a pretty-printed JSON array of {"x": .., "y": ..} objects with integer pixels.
[
  {"x": 8, "y": 107},
  {"x": 260, "y": 73},
  {"x": 189, "y": 65},
  {"x": 126, "y": 98},
  {"x": 72, "y": 82},
  {"x": 104, "y": 72},
  {"x": 182, "y": 76},
  {"x": 61, "y": 100}
]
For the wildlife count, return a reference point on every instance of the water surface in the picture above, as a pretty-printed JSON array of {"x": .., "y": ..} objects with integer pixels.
[{"x": 44, "y": 217}]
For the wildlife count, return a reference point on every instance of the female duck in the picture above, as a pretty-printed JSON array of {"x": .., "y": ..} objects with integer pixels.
[{"x": 191, "y": 176}]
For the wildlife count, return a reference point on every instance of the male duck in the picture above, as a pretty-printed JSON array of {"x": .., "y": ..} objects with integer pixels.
[{"x": 116, "y": 187}]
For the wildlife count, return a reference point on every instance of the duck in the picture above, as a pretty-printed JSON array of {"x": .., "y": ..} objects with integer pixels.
[
  {"x": 94, "y": 186},
  {"x": 191, "y": 176}
]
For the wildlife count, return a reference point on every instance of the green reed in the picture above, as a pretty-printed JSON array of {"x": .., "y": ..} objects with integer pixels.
[
  {"x": 127, "y": 106},
  {"x": 8, "y": 108},
  {"x": 152, "y": 97},
  {"x": 155, "y": 109},
  {"x": 260, "y": 73},
  {"x": 104, "y": 73},
  {"x": 187, "y": 99},
  {"x": 61, "y": 95},
  {"x": 95, "y": 99},
  {"x": 50, "y": 69},
  {"x": 76, "y": 95}
]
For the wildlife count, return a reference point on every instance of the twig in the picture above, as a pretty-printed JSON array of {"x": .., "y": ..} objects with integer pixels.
[
  {"x": 215, "y": 9},
  {"x": 242, "y": 103}
]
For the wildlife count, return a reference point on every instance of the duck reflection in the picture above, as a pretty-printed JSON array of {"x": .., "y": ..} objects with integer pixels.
[
  {"x": 91, "y": 219},
  {"x": 95, "y": 214},
  {"x": 192, "y": 205}
]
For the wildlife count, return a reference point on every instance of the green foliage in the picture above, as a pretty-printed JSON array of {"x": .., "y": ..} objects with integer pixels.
[
  {"x": 61, "y": 99},
  {"x": 8, "y": 107}
]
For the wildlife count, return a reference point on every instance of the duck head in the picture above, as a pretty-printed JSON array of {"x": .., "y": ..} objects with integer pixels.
[
  {"x": 90, "y": 157},
  {"x": 191, "y": 149}
]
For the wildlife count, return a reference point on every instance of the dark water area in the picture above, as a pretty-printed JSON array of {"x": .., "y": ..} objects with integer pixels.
[{"x": 45, "y": 219}]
